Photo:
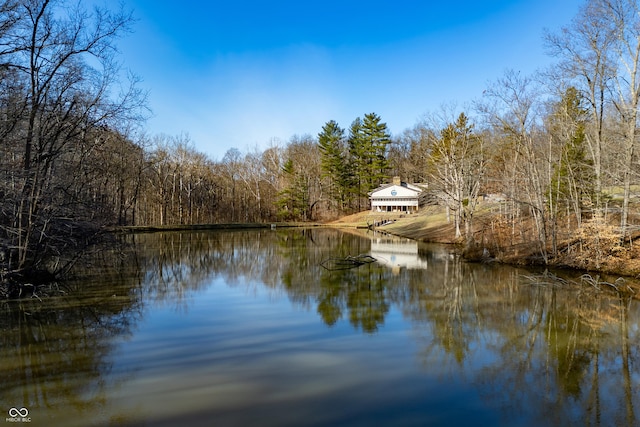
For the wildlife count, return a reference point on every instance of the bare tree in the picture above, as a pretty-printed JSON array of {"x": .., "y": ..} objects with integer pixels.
[
  {"x": 302, "y": 176},
  {"x": 571, "y": 168},
  {"x": 409, "y": 153},
  {"x": 623, "y": 17},
  {"x": 456, "y": 166},
  {"x": 230, "y": 166},
  {"x": 512, "y": 110},
  {"x": 62, "y": 62},
  {"x": 585, "y": 49}
]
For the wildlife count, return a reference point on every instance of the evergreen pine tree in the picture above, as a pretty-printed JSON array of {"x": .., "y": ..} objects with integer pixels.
[
  {"x": 360, "y": 165},
  {"x": 377, "y": 139},
  {"x": 293, "y": 200},
  {"x": 334, "y": 162},
  {"x": 357, "y": 156},
  {"x": 572, "y": 182}
]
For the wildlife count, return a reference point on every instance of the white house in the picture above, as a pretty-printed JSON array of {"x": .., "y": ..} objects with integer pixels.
[{"x": 395, "y": 197}]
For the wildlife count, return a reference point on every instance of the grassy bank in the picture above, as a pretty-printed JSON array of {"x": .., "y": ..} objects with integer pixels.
[
  {"x": 592, "y": 248},
  {"x": 429, "y": 225}
]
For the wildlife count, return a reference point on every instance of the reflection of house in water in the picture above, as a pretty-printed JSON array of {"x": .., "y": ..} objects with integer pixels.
[{"x": 396, "y": 251}]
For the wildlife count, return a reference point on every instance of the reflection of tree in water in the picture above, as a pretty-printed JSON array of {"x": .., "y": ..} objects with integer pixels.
[
  {"x": 569, "y": 354},
  {"x": 366, "y": 298},
  {"x": 331, "y": 301},
  {"x": 570, "y": 337},
  {"x": 57, "y": 351},
  {"x": 178, "y": 264},
  {"x": 451, "y": 326},
  {"x": 559, "y": 354},
  {"x": 439, "y": 299},
  {"x": 360, "y": 292},
  {"x": 571, "y": 347}
]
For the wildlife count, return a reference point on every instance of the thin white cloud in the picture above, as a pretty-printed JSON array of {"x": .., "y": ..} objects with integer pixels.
[{"x": 251, "y": 99}]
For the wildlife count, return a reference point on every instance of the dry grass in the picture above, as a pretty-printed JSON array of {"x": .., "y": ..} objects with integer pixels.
[
  {"x": 356, "y": 220},
  {"x": 593, "y": 247},
  {"x": 597, "y": 246},
  {"x": 430, "y": 224}
]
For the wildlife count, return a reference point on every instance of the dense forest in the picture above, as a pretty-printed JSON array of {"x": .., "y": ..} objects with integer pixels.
[{"x": 559, "y": 147}]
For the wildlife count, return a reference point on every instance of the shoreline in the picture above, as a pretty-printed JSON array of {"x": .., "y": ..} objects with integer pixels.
[
  {"x": 204, "y": 227},
  {"x": 432, "y": 226},
  {"x": 427, "y": 227}
]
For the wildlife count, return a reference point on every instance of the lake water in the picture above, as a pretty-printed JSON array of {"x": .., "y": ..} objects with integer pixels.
[{"x": 250, "y": 328}]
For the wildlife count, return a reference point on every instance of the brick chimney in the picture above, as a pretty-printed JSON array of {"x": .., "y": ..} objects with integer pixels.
[{"x": 396, "y": 180}]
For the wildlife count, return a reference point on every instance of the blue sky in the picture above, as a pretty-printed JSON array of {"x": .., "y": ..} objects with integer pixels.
[{"x": 244, "y": 72}]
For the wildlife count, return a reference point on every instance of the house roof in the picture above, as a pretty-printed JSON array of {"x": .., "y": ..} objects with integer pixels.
[{"x": 402, "y": 189}]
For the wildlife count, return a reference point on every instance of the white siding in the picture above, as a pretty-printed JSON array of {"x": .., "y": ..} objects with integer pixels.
[{"x": 395, "y": 198}]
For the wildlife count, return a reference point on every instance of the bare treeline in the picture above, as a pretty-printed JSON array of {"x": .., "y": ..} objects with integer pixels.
[
  {"x": 63, "y": 105},
  {"x": 557, "y": 148}
]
